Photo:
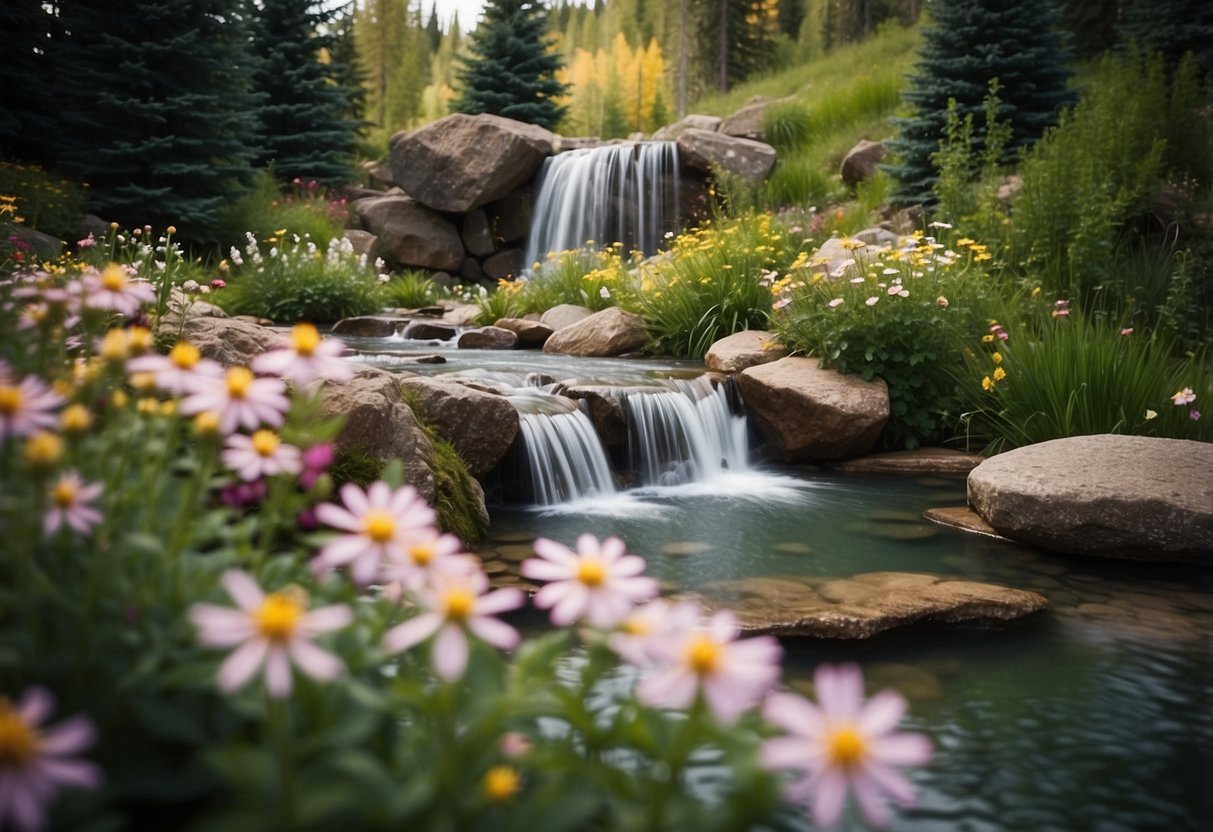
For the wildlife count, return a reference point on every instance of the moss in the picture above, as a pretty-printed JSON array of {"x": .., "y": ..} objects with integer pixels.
[
  {"x": 457, "y": 500},
  {"x": 352, "y": 464}
]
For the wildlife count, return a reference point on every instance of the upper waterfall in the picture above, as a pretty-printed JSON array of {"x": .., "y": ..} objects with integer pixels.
[{"x": 592, "y": 197}]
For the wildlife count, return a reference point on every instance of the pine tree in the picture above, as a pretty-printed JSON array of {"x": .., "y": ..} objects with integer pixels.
[
  {"x": 27, "y": 111},
  {"x": 970, "y": 43},
  {"x": 304, "y": 129},
  {"x": 155, "y": 113},
  {"x": 1172, "y": 28},
  {"x": 511, "y": 72}
]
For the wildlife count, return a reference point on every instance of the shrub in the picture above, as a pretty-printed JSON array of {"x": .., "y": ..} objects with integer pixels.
[
  {"x": 294, "y": 280},
  {"x": 1053, "y": 372},
  {"x": 303, "y": 209},
  {"x": 902, "y": 315},
  {"x": 50, "y": 204},
  {"x": 411, "y": 289}
]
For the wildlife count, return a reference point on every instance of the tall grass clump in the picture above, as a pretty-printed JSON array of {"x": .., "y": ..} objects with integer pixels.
[
  {"x": 291, "y": 278},
  {"x": 1055, "y": 372},
  {"x": 303, "y": 209},
  {"x": 901, "y": 313},
  {"x": 410, "y": 289}
]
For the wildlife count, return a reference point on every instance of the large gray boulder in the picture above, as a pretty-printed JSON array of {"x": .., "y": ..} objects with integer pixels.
[
  {"x": 861, "y": 162},
  {"x": 476, "y": 234},
  {"x": 609, "y": 332},
  {"x": 408, "y": 234},
  {"x": 481, "y": 426},
  {"x": 379, "y": 423},
  {"x": 807, "y": 413},
  {"x": 530, "y": 333},
  {"x": 231, "y": 342},
  {"x": 1107, "y": 495},
  {"x": 694, "y": 121},
  {"x": 462, "y": 162},
  {"x": 747, "y": 348},
  {"x": 564, "y": 314},
  {"x": 840, "y": 257},
  {"x": 748, "y": 122},
  {"x": 487, "y": 338},
  {"x": 866, "y": 604},
  {"x": 369, "y": 326},
  {"x": 748, "y": 159}
]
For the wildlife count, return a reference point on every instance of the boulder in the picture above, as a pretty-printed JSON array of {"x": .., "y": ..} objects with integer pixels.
[
  {"x": 748, "y": 159},
  {"x": 807, "y": 413},
  {"x": 470, "y": 271},
  {"x": 840, "y": 257},
  {"x": 1135, "y": 497},
  {"x": 961, "y": 518},
  {"x": 504, "y": 264},
  {"x": 91, "y": 224},
  {"x": 863, "y": 605},
  {"x": 369, "y": 326},
  {"x": 747, "y": 348},
  {"x": 694, "y": 121},
  {"x": 409, "y": 234},
  {"x": 231, "y": 342},
  {"x": 34, "y": 245},
  {"x": 607, "y": 410},
  {"x": 487, "y": 338},
  {"x": 361, "y": 242},
  {"x": 481, "y": 426},
  {"x": 564, "y": 314},
  {"x": 861, "y": 162},
  {"x": 476, "y": 234},
  {"x": 747, "y": 123},
  {"x": 379, "y": 423},
  {"x": 429, "y": 331},
  {"x": 918, "y": 461},
  {"x": 566, "y": 143},
  {"x": 609, "y": 332},
  {"x": 510, "y": 218},
  {"x": 462, "y": 162},
  {"x": 461, "y": 314},
  {"x": 530, "y": 333}
]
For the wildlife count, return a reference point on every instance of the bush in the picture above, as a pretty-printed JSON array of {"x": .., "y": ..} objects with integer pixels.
[
  {"x": 50, "y": 204},
  {"x": 303, "y": 209},
  {"x": 410, "y": 289},
  {"x": 902, "y": 315},
  {"x": 297, "y": 281}
]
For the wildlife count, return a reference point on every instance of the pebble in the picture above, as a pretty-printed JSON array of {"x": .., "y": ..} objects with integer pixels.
[{"x": 515, "y": 553}]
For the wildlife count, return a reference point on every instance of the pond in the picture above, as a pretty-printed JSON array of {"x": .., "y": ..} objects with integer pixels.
[{"x": 1096, "y": 714}]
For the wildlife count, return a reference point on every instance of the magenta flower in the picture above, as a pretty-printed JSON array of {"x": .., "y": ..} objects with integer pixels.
[
  {"x": 117, "y": 289},
  {"x": 240, "y": 399},
  {"x": 599, "y": 584},
  {"x": 88, "y": 242},
  {"x": 382, "y": 523},
  {"x": 36, "y": 763},
  {"x": 70, "y": 499},
  {"x": 456, "y": 603},
  {"x": 273, "y": 630},
  {"x": 263, "y": 454},
  {"x": 709, "y": 661},
  {"x": 844, "y": 745},
  {"x": 316, "y": 460},
  {"x": 25, "y": 407},
  {"x": 305, "y": 358},
  {"x": 1194, "y": 415}
]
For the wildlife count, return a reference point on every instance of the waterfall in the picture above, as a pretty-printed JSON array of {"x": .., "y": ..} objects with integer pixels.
[
  {"x": 626, "y": 193},
  {"x": 686, "y": 434},
  {"x": 564, "y": 457}
]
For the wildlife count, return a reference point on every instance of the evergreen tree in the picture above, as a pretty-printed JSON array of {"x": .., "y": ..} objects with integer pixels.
[
  {"x": 305, "y": 132},
  {"x": 27, "y": 110},
  {"x": 510, "y": 70},
  {"x": 970, "y": 43},
  {"x": 156, "y": 115},
  {"x": 1172, "y": 28}
]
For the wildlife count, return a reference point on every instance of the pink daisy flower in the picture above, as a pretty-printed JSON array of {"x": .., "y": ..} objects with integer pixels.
[
  {"x": 274, "y": 630},
  {"x": 70, "y": 499},
  {"x": 1184, "y": 396},
  {"x": 455, "y": 603},
  {"x": 638, "y": 637},
  {"x": 37, "y": 762},
  {"x": 844, "y": 745},
  {"x": 305, "y": 358},
  {"x": 382, "y": 523},
  {"x": 263, "y": 454},
  {"x": 25, "y": 407},
  {"x": 183, "y": 370},
  {"x": 116, "y": 289},
  {"x": 241, "y": 400},
  {"x": 427, "y": 554},
  {"x": 709, "y": 661},
  {"x": 598, "y": 584}
]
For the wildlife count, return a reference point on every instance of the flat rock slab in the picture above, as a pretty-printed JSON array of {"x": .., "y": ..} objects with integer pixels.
[
  {"x": 747, "y": 348},
  {"x": 918, "y": 461},
  {"x": 1130, "y": 497},
  {"x": 961, "y": 518},
  {"x": 863, "y": 605}
]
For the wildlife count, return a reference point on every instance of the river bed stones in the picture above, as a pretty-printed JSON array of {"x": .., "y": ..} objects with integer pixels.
[
  {"x": 863, "y": 605},
  {"x": 917, "y": 461}
]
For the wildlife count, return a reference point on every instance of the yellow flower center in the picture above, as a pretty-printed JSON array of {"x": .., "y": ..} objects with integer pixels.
[
  {"x": 305, "y": 338},
  {"x": 75, "y": 419},
  {"x": 703, "y": 656},
  {"x": 379, "y": 525},
  {"x": 846, "y": 747},
  {"x": 18, "y": 741},
  {"x": 139, "y": 339},
  {"x": 65, "y": 493},
  {"x": 635, "y": 626},
  {"x": 265, "y": 442},
  {"x": 184, "y": 355},
  {"x": 239, "y": 380},
  {"x": 591, "y": 573},
  {"x": 501, "y": 783},
  {"x": 206, "y": 423},
  {"x": 10, "y": 400},
  {"x": 114, "y": 346},
  {"x": 44, "y": 448},
  {"x": 459, "y": 603},
  {"x": 278, "y": 616},
  {"x": 113, "y": 279},
  {"x": 421, "y": 553}
]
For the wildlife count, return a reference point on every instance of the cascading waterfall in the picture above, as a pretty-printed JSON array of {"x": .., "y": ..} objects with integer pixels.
[
  {"x": 626, "y": 193},
  {"x": 565, "y": 459}
]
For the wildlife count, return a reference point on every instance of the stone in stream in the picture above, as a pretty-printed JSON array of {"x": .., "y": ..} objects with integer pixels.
[
  {"x": 684, "y": 548},
  {"x": 515, "y": 552},
  {"x": 793, "y": 547}
]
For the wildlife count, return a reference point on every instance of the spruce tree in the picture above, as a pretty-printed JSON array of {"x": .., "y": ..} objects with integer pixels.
[
  {"x": 970, "y": 43},
  {"x": 27, "y": 108},
  {"x": 510, "y": 71},
  {"x": 155, "y": 112},
  {"x": 305, "y": 132}
]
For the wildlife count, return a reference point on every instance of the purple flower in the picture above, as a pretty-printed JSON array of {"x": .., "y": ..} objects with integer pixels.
[
  {"x": 305, "y": 358},
  {"x": 598, "y": 584},
  {"x": 1194, "y": 415},
  {"x": 116, "y": 289},
  {"x": 843, "y": 745},
  {"x": 316, "y": 460},
  {"x": 381, "y": 522},
  {"x": 25, "y": 407},
  {"x": 70, "y": 499},
  {"x": 240, "y": 399},
  {"x": 37, "y": 762},
  {"x": 263, "y": 454}
]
